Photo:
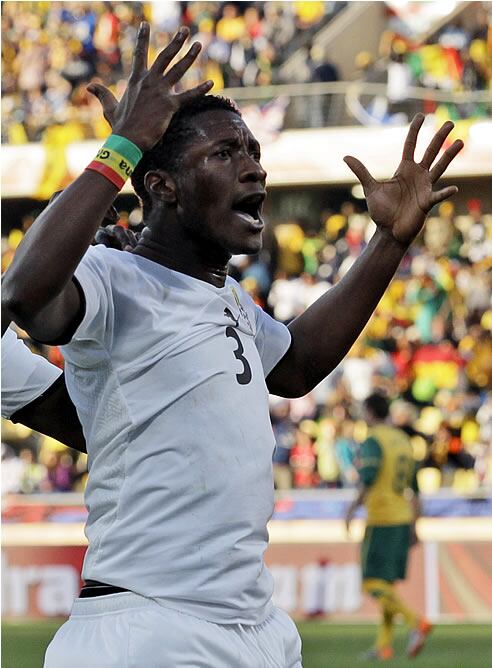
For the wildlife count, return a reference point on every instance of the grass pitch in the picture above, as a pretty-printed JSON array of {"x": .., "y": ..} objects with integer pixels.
[{"x": 326, "y": 645}]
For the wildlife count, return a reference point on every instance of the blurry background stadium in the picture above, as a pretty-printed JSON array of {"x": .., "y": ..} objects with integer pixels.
[{"x": 315, "y": 81}]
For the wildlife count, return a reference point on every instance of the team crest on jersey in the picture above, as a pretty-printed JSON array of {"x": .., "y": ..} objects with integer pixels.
[{"x": 242, "y": 311}]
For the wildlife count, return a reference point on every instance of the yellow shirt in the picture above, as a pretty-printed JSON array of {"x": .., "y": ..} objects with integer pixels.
[{"x": 387, "y": 500}]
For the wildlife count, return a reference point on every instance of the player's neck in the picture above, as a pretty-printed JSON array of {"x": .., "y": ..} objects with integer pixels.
[{"x": 184, "y": 254}]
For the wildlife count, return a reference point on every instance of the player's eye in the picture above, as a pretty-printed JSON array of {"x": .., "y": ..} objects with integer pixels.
[{"x": 224, "y": 153}]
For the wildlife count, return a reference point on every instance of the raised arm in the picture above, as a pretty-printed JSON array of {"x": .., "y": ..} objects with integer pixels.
[
  {"x": 325, "y": 332},
  {"x": 38, "y": 291}
]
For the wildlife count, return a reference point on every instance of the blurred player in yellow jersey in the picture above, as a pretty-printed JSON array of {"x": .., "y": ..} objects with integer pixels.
[{"x": 388, "y": 489}]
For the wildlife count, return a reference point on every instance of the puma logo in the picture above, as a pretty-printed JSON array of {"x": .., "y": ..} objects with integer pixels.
[
  {"x": 228, "y": 313},
  {"x": 242, "y": 311}
]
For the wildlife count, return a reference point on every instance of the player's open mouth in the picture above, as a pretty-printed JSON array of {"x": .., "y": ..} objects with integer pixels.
[{"x": 250, "y": 206}]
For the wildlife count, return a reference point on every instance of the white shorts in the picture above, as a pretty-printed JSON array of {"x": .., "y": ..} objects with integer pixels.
[{"x": 126, "y": 630}]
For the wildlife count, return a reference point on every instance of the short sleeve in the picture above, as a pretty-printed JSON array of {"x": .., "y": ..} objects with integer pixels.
[
  {"x": 93, "y": 277},
  {"x": 370, "y": 459},
  {"x": 272, "y": 340},
  {"x": 25, "y": 376}
]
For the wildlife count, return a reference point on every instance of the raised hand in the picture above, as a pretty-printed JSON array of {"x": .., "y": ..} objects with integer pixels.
[
  {"x": 149, "y": 102},
  {"x": 116, "y": 236},
  {"x": 400, "y": 205}
]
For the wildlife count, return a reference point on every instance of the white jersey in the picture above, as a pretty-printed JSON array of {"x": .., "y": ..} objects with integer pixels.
[
  {"x": 168, "y": 376},
  {"x": 25, "y": 376}
]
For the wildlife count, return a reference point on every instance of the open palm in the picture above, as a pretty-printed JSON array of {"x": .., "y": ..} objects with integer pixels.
[
  {"x": 401, "y": 204},
  {"x": 150, "y": 99}
]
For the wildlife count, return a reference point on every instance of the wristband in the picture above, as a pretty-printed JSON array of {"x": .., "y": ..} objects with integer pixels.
[{"x": 116, "y": 160}]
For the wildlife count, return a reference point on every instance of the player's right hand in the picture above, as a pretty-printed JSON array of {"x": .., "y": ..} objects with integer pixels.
[
  {"x": 144, "y": 112},
  {"x": 348, "y": 519}
]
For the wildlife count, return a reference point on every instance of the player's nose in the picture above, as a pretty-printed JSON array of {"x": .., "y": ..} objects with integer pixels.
[{"x": 251, "y": 170}]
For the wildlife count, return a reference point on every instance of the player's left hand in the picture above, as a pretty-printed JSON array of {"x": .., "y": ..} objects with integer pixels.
[
  {"x": 414, "y": 539},
  {"x": 401, "y": 204},
  {"x": 349, "y": 517}
]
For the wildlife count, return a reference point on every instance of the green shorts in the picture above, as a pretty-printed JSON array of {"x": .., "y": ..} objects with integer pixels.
[{"x": 384, "y": 552}]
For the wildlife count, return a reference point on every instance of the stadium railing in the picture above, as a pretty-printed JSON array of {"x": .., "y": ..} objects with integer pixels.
[{"x": 346, "y": 103}]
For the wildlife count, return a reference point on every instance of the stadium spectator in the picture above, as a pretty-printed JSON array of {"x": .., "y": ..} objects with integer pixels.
[
  {"x": 231, "y": 26},
  {"x": 284, "y": 431},
  {"x": 322, "y": 70},
  {"x": 327, "y": 464},
  {"x": 303, "y": 461},
  {"x": 106, "y": 42},
  {"x": 284, "y": 298},
  {"x": 33, "y": 473},
  {"x": 61, "y": 472},
  {"x": 346, "y": 452},
  {"x": 13, "y": 467}
]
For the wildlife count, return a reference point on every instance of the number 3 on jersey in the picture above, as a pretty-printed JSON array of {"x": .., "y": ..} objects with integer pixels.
[{"x": 245, "y": 377}]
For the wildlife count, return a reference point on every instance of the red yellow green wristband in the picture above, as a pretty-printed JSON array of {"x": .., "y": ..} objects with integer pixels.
[{"x": 116, "y": 160}]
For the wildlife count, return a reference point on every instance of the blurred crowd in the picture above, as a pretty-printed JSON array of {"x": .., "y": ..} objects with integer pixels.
[
  {"x": 428, "y": 347},
  {"x": 458, "y": 58},
  {"x": 35, "y": 464},
  {"x": 51, "y": 50}
]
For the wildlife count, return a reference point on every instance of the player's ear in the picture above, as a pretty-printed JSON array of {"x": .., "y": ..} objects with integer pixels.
[{"x": 161, "y": 185}]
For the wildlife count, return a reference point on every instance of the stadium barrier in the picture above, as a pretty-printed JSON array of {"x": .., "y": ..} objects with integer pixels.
[
  {"x": 314, "y": 564},
  {"x": 291, "y": 157}
]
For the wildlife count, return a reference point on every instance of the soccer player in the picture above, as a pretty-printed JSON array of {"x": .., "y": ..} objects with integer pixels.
[
  {"x": 387, "y": 472},
  {"x": 169, "y": 363}
]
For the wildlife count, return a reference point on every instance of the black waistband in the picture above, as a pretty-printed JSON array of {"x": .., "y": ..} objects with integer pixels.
[{"x": 94, "y": 588}]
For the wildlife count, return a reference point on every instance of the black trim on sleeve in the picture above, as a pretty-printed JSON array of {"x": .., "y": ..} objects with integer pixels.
[
  {"x": 19, "y": 416},
  {"x": 287, "y": 351}
]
